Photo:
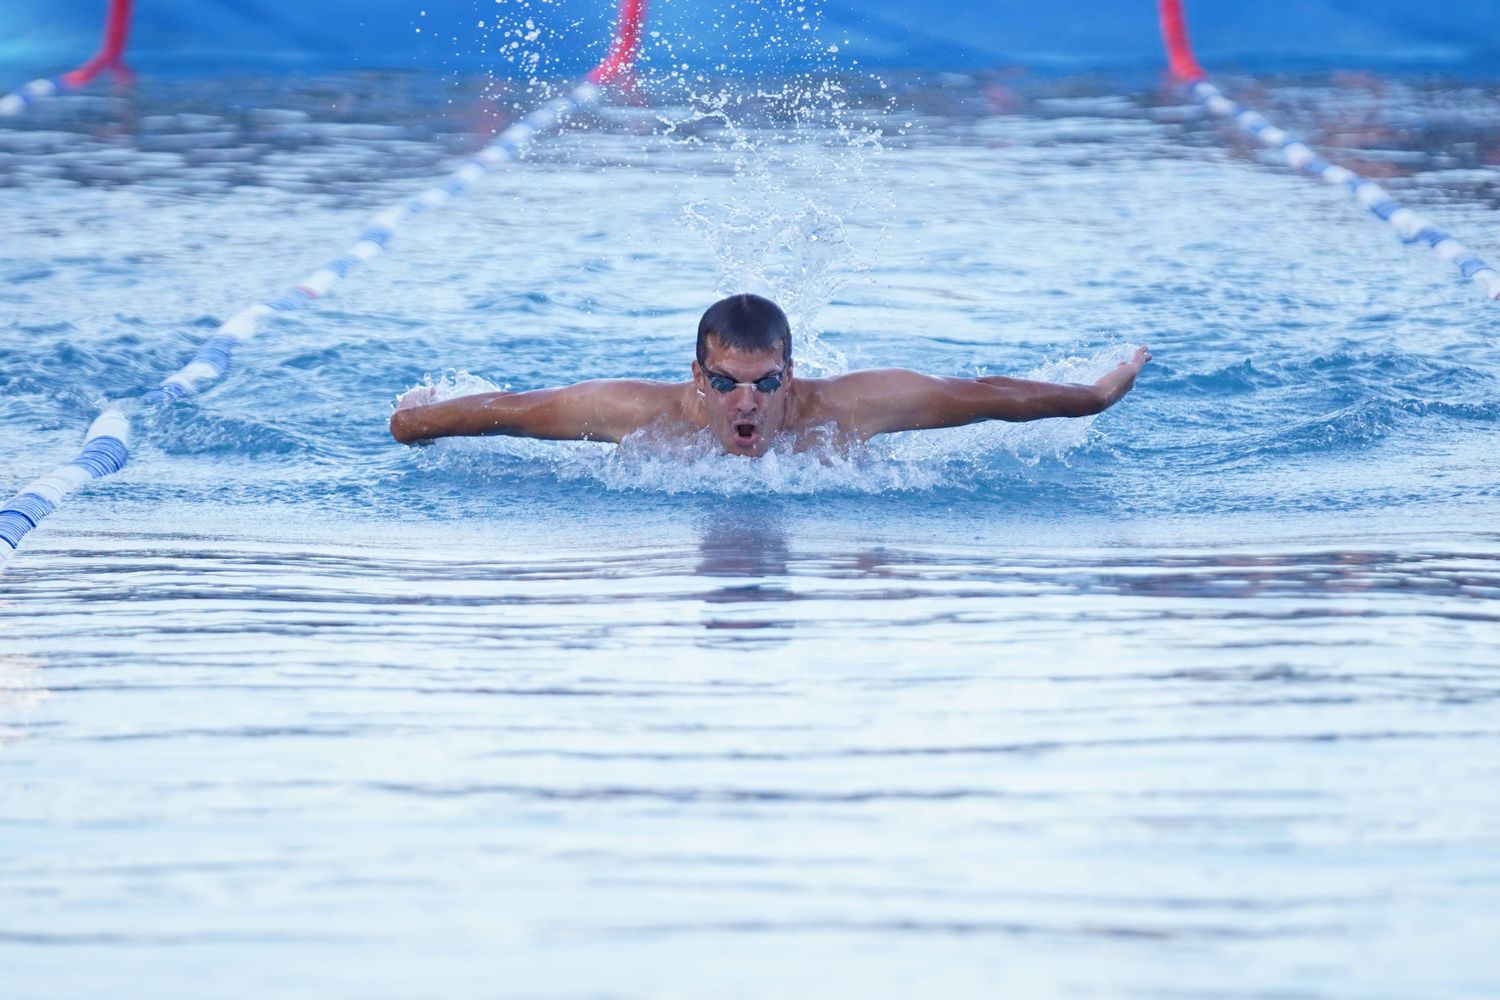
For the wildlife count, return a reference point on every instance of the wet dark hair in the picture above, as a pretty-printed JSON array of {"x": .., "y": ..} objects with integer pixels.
[{"x": 745, "y": 322}]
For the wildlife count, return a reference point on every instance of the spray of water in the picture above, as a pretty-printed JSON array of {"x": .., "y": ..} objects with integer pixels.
[
  {"x": 794, "y": 223},
  {"x": 800, "y": 169}
]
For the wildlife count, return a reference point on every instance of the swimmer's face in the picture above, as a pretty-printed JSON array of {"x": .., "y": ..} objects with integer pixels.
[{"x": 745, "y": 419}]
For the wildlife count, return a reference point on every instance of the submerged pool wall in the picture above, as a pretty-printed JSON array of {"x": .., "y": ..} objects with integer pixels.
[{"x": 565, "y": 37}]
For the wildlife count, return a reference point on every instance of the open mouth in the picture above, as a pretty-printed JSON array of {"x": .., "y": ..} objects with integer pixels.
[{"x": 744, "y": 433}]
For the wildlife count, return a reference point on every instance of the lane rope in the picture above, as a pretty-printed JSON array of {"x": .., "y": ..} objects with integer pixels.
[
  {"x": 106, "y": 445},
  {"x": 110, "y": 57},
  {"x": 1411, "y": 226}
]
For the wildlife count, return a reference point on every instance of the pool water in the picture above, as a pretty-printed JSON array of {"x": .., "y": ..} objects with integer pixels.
[{"x": 1194, "y": 698}]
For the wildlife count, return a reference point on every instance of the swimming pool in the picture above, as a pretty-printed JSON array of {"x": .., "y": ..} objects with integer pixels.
[{"x": 1192, "y": 699}]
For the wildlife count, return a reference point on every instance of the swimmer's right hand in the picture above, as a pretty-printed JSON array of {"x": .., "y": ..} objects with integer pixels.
[{"x": 401, "y": 426}]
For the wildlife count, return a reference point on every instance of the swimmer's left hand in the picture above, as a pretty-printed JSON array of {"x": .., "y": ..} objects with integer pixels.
[{"x": 1118, "y": 382}]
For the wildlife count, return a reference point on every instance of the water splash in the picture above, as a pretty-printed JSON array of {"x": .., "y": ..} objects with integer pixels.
[
  {"x": 454, "y": 382},
  {"x": 799, "y": 150},
  {"x": 520, "y": 39},
  {"x": 780, "y": 227},
  {"x": 801, "y": 161}
]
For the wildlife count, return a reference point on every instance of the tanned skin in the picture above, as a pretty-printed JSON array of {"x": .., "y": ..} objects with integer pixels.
[{"x": 746, "y": 421}]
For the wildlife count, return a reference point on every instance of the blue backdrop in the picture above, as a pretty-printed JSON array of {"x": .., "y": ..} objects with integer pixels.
[{"x": 566, "y": 36}]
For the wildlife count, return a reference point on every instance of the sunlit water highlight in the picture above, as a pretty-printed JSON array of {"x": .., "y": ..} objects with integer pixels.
[{"x": 1196, "y": 698}]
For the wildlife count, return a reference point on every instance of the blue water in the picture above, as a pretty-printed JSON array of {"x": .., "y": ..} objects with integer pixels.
[{"x": 1195, "y": 698}]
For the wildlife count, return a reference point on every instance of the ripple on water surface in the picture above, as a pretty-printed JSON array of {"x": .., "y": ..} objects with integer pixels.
[{"x": 758, "y": 732}]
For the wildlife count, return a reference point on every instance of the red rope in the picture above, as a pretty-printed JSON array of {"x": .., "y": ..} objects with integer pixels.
[
  {"x": 626, "y": 44},
  {"x": 1179, "y": 50},
  {"x": 111, "y": 50}
]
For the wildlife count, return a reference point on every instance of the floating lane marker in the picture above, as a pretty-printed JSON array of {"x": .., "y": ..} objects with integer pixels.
[
  {"x": 1411, "y": 226},
  {"x": 13, "y": 104},
  {"x": 109, "y": 57},
  {"x": 211, "y": 362},
  {"x": 106, "y": 446}
]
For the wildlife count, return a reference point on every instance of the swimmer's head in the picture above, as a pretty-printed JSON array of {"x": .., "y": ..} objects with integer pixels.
[
  {"x": 745, "y": 322},
  {"x": 744, "y": 372}
]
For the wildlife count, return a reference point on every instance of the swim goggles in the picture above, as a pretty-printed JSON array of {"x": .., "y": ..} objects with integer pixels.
[{"x": 724, "y": 384}]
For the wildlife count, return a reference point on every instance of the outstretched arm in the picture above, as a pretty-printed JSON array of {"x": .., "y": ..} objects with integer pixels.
[
  {"x": 602, "y": 410},
  {"x": 880, "y": 402}
]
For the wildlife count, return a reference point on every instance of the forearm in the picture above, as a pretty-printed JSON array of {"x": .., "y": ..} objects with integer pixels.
[
  {"x": 883, "y": 401},
  {"x": 599, "y": 410},
  {"x": 464, "y": 416},
  {"x": 1114, "y": 385},
  {"x": 1016, "y": 399}
]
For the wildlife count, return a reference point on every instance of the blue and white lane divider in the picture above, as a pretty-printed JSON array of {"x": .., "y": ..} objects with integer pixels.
[
  {"x": 1412, "y": 227},
  {"x": 14, "y": 103},
  {"x": 106, "y": 447},
  {"x": 109, "y": 58},
  {"x": 212, "y": 360}
]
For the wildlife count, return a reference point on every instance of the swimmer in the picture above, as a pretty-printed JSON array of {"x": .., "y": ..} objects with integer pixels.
[{"x": 744, "y": 392}]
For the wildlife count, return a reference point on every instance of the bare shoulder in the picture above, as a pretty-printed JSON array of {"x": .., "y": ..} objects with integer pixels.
[
  {"x": 858, "y": 402},
  {"x": 872, "y": 380},
  {"x": 838, "y": 393},
  {"x": 596, "y": 410},
  {"x": 633, "y": 402},
  {"x": 627, "y": 390}
]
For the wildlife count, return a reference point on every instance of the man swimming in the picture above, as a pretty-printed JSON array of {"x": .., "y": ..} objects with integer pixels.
[{"x": 744, "y": 392}]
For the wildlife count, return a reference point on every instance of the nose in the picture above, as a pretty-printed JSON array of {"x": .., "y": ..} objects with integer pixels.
[{"x": 743, "y": 398}]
